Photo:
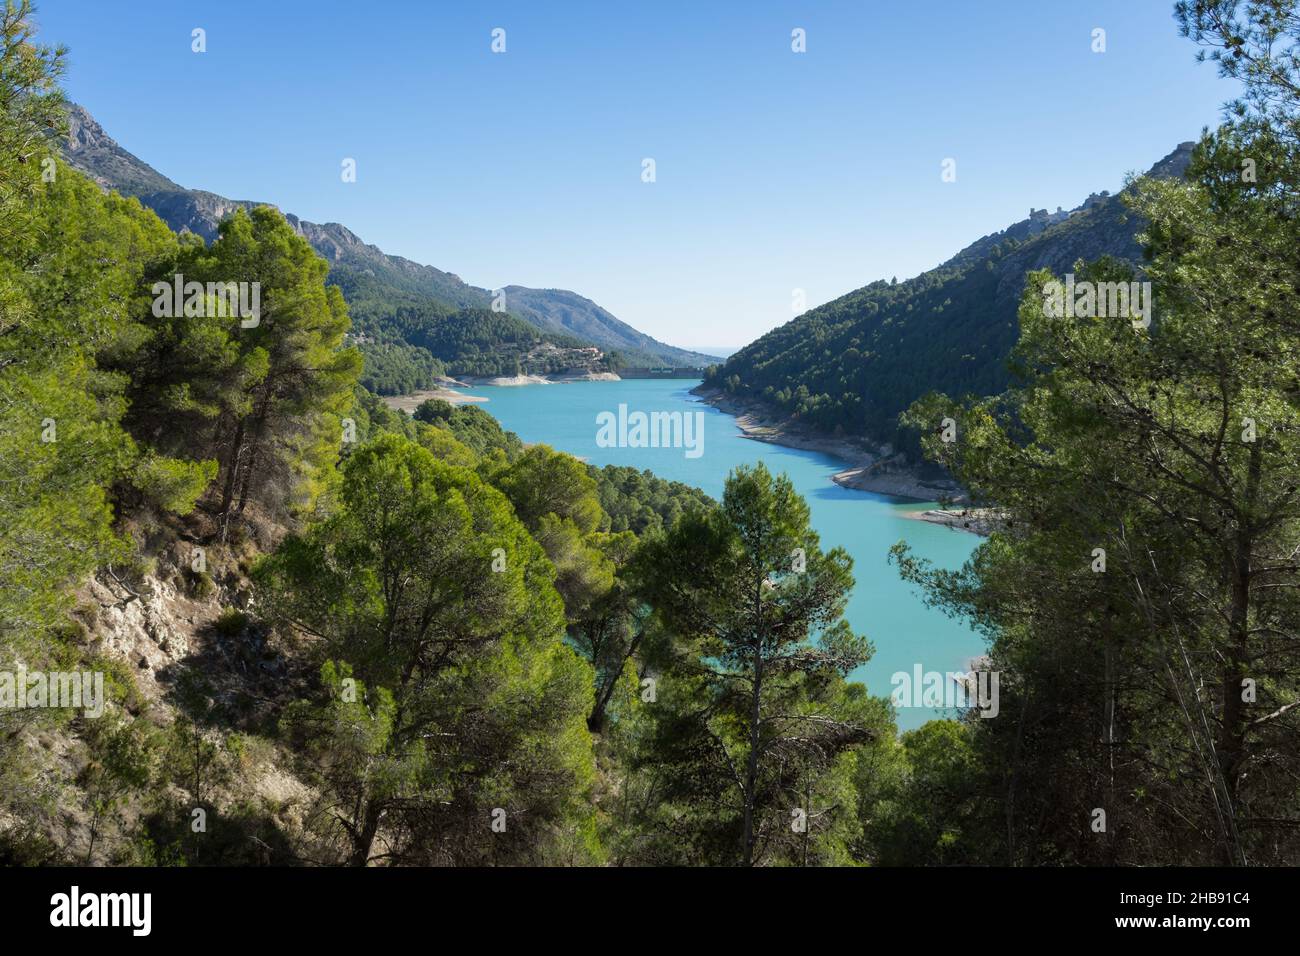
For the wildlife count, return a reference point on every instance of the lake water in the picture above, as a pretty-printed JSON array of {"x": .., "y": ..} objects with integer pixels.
[{"x": 888, "y": 611}]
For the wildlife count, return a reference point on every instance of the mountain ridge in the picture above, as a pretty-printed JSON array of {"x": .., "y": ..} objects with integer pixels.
[
  {"x": 91, "y": 150},
  {"x": 847, "y": 368}
]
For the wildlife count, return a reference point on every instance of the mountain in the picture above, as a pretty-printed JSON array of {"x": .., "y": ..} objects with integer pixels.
[
  {"x": 561, "y": 310},
  {"x": 354, "y": 262},
  {"x": 849, "y": 367}
]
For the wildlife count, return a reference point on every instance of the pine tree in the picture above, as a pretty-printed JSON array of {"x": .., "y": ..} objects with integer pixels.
[
  {"x": 754, "y": 715},
  {"x": 1148, "y": 560},
  {"x": 280, "y": 395},
  {"x": 425, "y": 586}
]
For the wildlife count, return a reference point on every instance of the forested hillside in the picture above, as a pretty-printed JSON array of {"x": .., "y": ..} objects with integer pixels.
[
  {"x": 851, "y": 366},
  {"x": 330, "y": 634},
  {"x": 409, "y": 340},
  {"x": 570, "y": 313},
  {"x": 1141, "y": 594}
]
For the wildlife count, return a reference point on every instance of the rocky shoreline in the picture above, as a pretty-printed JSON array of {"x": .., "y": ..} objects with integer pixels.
[
  {"x": 870, "y": 469},
  {"x": 981, "y": 521}
]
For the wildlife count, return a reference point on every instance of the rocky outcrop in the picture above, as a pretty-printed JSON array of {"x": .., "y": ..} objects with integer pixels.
[{"x": 95, "y": 153}]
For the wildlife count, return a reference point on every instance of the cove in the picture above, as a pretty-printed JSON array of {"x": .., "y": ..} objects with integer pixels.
[{"x": 905, "y": 632}]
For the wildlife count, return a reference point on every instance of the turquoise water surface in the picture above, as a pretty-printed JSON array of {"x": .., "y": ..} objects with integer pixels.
[{"x": 889, "y": 612}]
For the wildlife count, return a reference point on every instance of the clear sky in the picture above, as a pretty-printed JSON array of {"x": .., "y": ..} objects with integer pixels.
[{"x": 775, "y": 170}]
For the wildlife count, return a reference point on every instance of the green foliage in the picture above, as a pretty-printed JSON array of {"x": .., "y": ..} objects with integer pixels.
[
  {"x": 489, "y": 704},
  {"x": 231, "y": 623},
  {"x": 560, "y": 501},
  {"x": 445, "y": 447},
  {"x": 262, "y": 395},
  {"x": 407, "y": 336},
  {"x": 73, "y": 267},
  {"x": 1170, "y": 456},
  {"x": 292, "y": 427},
  {"x": 395, "y": 368},
  {"x": 755, "y": 724},
  {"x": 642, "y": 502},
  {"x": 610, "y": 623},
  {"x": 33, "y": 107},
  {"x": 556, "y": 499},
  {"x": 471, "y": 425},
  {"x": 1258, "y": 45},
  {"x": 918, "y": 802},
  {"x": 171, "y": 484},
  {"x": 543, "y": 482},
  {"x": 373, "y": 417},
  {"x": 123, "y": 755}
]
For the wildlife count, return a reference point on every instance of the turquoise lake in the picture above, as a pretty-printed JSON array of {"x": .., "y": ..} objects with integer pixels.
[{"x": 884, "y": 608}]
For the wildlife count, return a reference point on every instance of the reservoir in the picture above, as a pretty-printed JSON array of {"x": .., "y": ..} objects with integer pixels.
[{"x": 887, "y": 610}]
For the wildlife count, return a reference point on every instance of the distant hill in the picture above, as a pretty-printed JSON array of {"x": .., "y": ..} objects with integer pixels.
[
  {"x": 352, "y": 261},
  {"x": 849, "y": 367},
  {"x": 561, "y": 310}
]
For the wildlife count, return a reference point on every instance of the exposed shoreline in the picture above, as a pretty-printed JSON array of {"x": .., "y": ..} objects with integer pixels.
[
  {"x": 513, "y": 381},
  {"x": 869, "y": 469},
  {"x": 877, "y": 470},
  {"x": 410, "y": 402},
  {"x": 446, "y": 388},
  {"x": 980, "y": 521}
]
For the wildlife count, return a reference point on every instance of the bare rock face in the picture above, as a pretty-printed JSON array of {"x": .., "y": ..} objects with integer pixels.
[
  {"x": 95, "y": 153},
  {"x": 151, "y": 629},
  {"x": 161, "y": 626}
]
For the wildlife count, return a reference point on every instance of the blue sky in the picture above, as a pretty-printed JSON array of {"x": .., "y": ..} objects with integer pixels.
[{"x": 775, "y": 171}]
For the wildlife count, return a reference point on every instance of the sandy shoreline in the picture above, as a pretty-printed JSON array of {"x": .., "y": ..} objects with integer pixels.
[
  {"x": 876, "y": 470},
  {"x": 409, "y": 403}
]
